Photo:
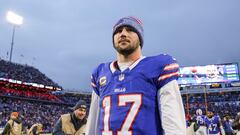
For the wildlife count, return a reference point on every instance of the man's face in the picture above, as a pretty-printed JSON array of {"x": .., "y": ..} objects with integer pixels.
[
  {"x": 13, "y": 117},
  {"x": 126, "y": 41},
  {"x": 80, "y": 113},
  {"x": 210, "y": 114}
]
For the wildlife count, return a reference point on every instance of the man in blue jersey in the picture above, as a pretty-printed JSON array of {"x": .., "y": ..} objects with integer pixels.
[
  {"x": 213, "y": 124},
  {"x": 200, "y": 122},
  {"x": 135, "y": 95}
]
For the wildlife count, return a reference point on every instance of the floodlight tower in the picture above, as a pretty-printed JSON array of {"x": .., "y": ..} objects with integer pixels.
[{"x": 15, "y": 20}]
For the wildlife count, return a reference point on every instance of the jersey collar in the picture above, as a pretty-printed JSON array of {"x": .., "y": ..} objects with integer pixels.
[{"x": 114, "y": 65}]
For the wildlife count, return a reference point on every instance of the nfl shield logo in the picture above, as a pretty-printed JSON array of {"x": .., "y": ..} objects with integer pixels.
[{"x": 121, "y": 77}]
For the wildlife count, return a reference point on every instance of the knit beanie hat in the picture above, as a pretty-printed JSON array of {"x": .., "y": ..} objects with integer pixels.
[
  {"x": 133, "y": 22},
  {"x": 80, "y": 104}
]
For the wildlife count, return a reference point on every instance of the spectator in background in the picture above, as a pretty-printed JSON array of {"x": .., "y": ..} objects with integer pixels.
[
  {"x": 73, "y": 123},
  {"x": 227, "y": 125},
  {"x": 236, "y": 123},
  {"x": 13, "y": 126},
  {"x": 199, "y": 118}
]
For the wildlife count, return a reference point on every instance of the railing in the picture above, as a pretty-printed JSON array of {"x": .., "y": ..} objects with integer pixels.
[{"x": 209, "y": 90}]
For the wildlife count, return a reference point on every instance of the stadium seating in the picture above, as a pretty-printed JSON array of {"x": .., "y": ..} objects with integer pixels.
[{"x": 24, "y": 73}]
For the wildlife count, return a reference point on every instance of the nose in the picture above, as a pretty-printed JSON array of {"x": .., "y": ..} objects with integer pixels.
[{"x": 123, "y": 32}]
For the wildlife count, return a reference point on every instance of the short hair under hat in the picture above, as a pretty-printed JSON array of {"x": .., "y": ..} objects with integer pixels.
[{"x": 133, "y": 22}]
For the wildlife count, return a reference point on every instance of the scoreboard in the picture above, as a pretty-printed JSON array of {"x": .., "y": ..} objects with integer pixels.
[{"x": 217, "y": 73}]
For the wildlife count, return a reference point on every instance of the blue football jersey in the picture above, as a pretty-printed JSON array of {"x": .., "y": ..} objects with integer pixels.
[
  {"x": 128, "y": 99},
  {"x": 213, "y": 124},
  {"x": 200, "y": 119}
]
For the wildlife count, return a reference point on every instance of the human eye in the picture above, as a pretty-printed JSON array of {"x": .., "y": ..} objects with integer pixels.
[
  {"x": 119, "y": 30},
  {"x": 130, "y": 29}
]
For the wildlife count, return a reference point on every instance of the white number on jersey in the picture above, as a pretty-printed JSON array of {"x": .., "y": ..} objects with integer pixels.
[{"x": 135, "y": 100}]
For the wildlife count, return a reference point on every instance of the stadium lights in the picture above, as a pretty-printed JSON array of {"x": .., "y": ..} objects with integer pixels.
[{"x": 15, "y": 20}]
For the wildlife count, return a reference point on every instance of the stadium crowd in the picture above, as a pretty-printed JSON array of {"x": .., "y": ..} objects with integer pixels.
[
  {"x": 29, "y": 94},
  {"x": 39, "y": 105},
  {"x": 222, "y": 103},
  {"x": 72, "y": 98},
  {"x": 32, "y": 112},
  {"x": 42, "y": 110},
  {"x": 35, "y": 105},
  {"x": 37, "y": 110},
  {"x": 24, "y": 73}
]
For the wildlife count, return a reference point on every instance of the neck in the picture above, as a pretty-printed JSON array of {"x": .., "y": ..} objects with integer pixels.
[{"x": 129, "y": 58}]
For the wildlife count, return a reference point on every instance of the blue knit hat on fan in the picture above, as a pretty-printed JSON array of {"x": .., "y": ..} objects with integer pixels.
[
  {"x": 80, "y": 104},
  {"x": 133, "y": 22}
]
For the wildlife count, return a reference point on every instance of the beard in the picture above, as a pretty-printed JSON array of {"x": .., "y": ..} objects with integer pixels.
[
  {"x": 126, "y": 51},
  {"x": 210, "y": 116}
]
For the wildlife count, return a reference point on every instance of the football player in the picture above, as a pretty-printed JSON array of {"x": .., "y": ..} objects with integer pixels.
[
  {"x": 135, "y": 95},
  {"x": 213, "y": 124},
  {"x": 200, "y": 122}
]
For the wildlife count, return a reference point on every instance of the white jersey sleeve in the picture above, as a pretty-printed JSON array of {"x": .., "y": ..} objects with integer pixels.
[
  {"x": 93, "y": 117},
  {"x": 171, "y": 109}
]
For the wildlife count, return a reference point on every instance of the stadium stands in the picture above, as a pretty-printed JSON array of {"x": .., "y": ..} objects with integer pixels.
[
  {"x": 37, "y": 108},
  {"x": 36, "y": 103},
  {"x": 39, "y": 104},
  {"x": 221, "y": 103},
  {"x": 32, "y": 112},
  {"x": 24, "y": 73}
]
